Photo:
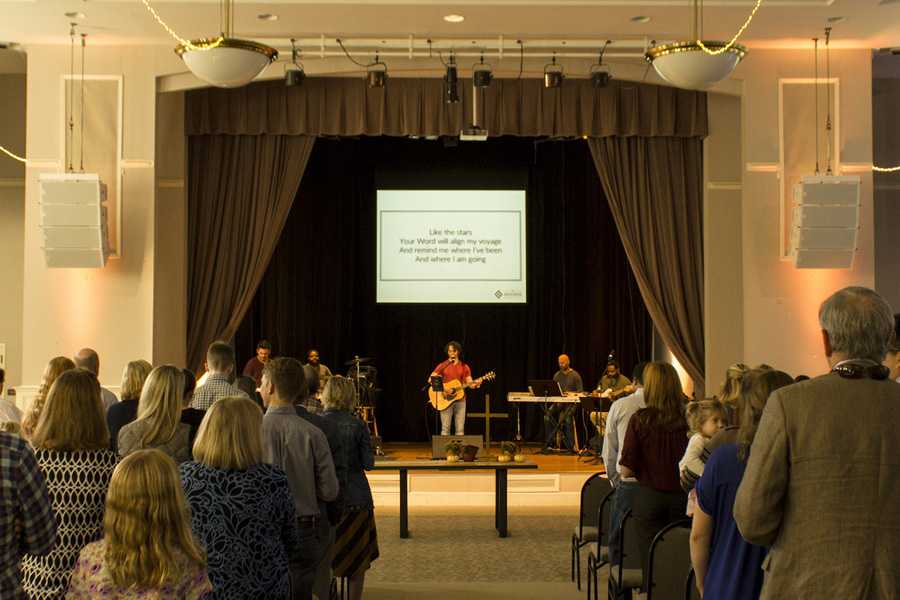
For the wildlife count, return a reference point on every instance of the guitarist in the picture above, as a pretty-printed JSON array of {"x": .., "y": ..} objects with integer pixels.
[{"x": 450, "y": 369}]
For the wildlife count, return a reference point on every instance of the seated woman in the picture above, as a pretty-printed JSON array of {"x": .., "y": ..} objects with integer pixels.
[
  {"x": 242, "y": 509},
  {"x": 158, "y": 423},
  {"x": 725, "y": 565},
  {"x": 147, "y": 550},
  {"x": 356, "y": 540},
  {"x": 655, "y": 441},
  {"x": 71, "y": 446}
]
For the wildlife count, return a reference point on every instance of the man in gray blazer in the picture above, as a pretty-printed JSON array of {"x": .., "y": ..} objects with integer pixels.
[{"x": 822, "y": 485}]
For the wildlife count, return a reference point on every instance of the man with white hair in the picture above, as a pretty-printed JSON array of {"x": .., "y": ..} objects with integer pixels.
[
  {"x": 822, "y": 482},
  {"x": 87, "y": 358}
]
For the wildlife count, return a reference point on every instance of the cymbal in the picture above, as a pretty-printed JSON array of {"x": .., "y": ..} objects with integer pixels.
[{"x": 361, "y": 360}]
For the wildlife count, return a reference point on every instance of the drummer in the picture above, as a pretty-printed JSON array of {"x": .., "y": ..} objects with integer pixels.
[{"x": 324, "y": 373}]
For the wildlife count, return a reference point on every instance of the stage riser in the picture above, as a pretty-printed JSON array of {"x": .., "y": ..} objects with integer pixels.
[{"x": 477, "y": 489}]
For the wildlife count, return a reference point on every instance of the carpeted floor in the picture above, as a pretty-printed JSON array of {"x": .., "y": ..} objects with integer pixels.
[{"x": 455, "y": 555}]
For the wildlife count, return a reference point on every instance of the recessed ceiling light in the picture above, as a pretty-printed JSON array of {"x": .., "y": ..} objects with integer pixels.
[
  {"x": 640, "y": 19},
  {"x": 454, "y": 18},
  {"x": 267, "y": 17},
  {"x": 834, "y": 20},
  {"x": 74, "y": 15}
]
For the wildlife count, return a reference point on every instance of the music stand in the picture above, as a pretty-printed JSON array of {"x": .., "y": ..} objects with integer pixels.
[{"x": 544, "y": 388}]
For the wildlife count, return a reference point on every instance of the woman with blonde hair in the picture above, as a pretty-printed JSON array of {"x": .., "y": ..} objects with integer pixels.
[
  {"x": 147, "y": 550},
  {"x": 731, "y": 390},
  {"x": 158, "y": 423},
  {"x": 72, "y": 450},
  {"x": 124, "y": 412},
  {"x": 56, "y": 367},
  {"x": 655, "y": 441},
  {"x": 242, "y": 509},
  {"x": 356, "y": 540}
]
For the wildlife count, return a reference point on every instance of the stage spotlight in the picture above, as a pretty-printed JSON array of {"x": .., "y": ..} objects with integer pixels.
[
  {"x": 553, "y": 74},
  {"x": 482, "y": 74},
  {"x": 451, "y": 79},
  {"x": 296, "y": 76}
]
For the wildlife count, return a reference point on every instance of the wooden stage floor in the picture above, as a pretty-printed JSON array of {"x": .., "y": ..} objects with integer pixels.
[{"x": 554, "y": 463}]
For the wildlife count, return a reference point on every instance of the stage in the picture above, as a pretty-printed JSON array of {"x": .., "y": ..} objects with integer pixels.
[{"x": 555, "y": 483}]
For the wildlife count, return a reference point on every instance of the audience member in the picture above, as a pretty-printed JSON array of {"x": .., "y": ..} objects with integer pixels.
[
  {"x": 72, "y": 450},
  {"x": 323, "y": 372},
  {"x": 88, "y": 358},
  {"x": 725, "y": 565},
  {"x": 731, "y": 390},
  {"x": 626, "y": 487},
  {"x": 301, "y": 450},
  {"x": 242, "y": 510},
  {"x": 254, "y": 367},
  {"x": 190, "y": 416},
  {"x": 822, "y": 491},
  {"x": 705, "y": 418},
  {"x": 655, "y": 441},
  {"x": 124, "y": 412},
  {"x": 10, "y": 415},
  {"x": 892, "y": 357},
  {"x": 800, "y": 378},
  {"x": 158, "y": 423},
  {"x": 249, "y": 387},
  {"x": 56, "y": 367},
  {"x": 311, "y": 399},
  {"x": 356, "y": 539},
  {"x": 27, "y": 522},
  {"x": 147, "y": 550},
  {"x": 220, "y": 368}
]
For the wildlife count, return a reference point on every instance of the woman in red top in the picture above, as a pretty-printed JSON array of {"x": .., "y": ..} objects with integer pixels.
[
  {"x": 656, "y": 439},
  {"x": 454, "y": 369}
]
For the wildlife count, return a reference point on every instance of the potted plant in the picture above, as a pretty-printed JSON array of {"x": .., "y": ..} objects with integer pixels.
[
  {"x": 507, "y": 451},
  {"x": 469, "y": 453},
  {"x": 453, "y": 450}
]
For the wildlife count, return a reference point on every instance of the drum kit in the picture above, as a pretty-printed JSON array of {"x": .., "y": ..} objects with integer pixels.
[{"x": 365, "y": 378}]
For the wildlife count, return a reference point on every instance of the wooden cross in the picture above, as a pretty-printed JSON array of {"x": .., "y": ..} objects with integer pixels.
[{"x": 487, "y": 415}]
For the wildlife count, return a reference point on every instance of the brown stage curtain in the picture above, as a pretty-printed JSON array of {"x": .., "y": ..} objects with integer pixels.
[
  {"x": 405, "y": 107},
  {"x": 240, "y": 193},
  {"x": 655, "y": 191}
]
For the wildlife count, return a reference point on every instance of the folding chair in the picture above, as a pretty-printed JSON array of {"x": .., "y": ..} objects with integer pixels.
[
  {"x": 629, "y": 573},
  {"x": 594, "y": 490},
  {"x": 598, "y": 552},
  {"x": 690, "y": 586},
  {"x": 670, "y": 559}
]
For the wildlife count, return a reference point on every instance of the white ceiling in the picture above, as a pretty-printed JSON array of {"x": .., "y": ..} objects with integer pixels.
[{"x": 779, "y": 23}]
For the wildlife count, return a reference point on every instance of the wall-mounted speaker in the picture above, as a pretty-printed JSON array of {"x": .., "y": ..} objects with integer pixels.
[
  {"x": 73, "y": 220},
  {"x": 825, "y": 222}
]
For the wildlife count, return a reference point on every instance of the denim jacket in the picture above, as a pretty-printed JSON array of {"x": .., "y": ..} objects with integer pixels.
[{"x": 354, "y": 456}]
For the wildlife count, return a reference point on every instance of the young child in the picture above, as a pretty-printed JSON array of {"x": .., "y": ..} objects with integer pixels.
[{"x": 705, "y": 418}]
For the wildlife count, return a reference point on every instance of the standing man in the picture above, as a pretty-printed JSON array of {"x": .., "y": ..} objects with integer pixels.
[
  {"x": 88, "y": 358},
  {"x": 454, "y": 369},
  {"x": 312, "y": 359},
  {"x": 254, "y": 367},
  {"x": 220, "y": 365},
  {"x": 821, "y": 492},
  {"x": 559, "y": 415},
  {"x": 301, "y": 450}
]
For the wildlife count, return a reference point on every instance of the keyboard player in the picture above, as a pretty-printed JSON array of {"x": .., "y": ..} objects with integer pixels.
[{"x": 559, "y": 416}]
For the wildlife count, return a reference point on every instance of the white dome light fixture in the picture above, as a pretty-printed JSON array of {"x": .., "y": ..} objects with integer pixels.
[
  {"x": 222, "y": 61},
  {"x": 699, "y": 64}
]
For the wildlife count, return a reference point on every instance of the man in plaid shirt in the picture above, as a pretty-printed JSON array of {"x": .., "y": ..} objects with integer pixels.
[
  {"x": 27, "y": 522},
  {"x": 220, "y": 363}
]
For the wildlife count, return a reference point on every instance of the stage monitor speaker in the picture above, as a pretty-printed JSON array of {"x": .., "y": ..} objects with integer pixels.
[
  {"x": 825, "y": 222},
  {"x": 439, "y": 442},
  {"x": 74, "y": 220}
]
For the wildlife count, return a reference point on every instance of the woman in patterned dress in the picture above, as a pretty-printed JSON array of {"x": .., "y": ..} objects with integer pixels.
[
  {"x": 147, "y": 551},
  {"x": 71, "y": 445},
  {"x": 356, "y": 540},
  {"x": 242, "y": 509}
]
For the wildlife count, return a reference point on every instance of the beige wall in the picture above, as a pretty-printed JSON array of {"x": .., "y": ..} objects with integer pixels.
[
  {"x": 110, "y": 309},
  {"x": 12, "y": 211},
  {"x": 780, "y": 303}
]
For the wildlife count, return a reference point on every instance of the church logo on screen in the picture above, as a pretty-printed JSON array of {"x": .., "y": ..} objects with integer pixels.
[{"x": 498, "y": 294}]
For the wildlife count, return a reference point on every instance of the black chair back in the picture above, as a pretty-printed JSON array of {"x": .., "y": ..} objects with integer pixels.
[
  {"x": 594, "y": 490},
  {"x": 670, "y": 560},
  {"x": 603, "y": 515},
  {"x": 630, "y": 543},
  {"x": 690, "y": 587}
]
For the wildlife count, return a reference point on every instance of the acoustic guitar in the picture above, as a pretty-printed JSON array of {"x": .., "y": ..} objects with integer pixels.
[{"x": 454, "y": 390}]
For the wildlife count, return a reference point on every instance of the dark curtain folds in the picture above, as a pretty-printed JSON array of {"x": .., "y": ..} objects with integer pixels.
[
  {"x": 319, "y": 290},
  {"x": 655, "y": 191},
  {"x": 415, "y": 107},
  {"x": 240, "y": 193}
]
